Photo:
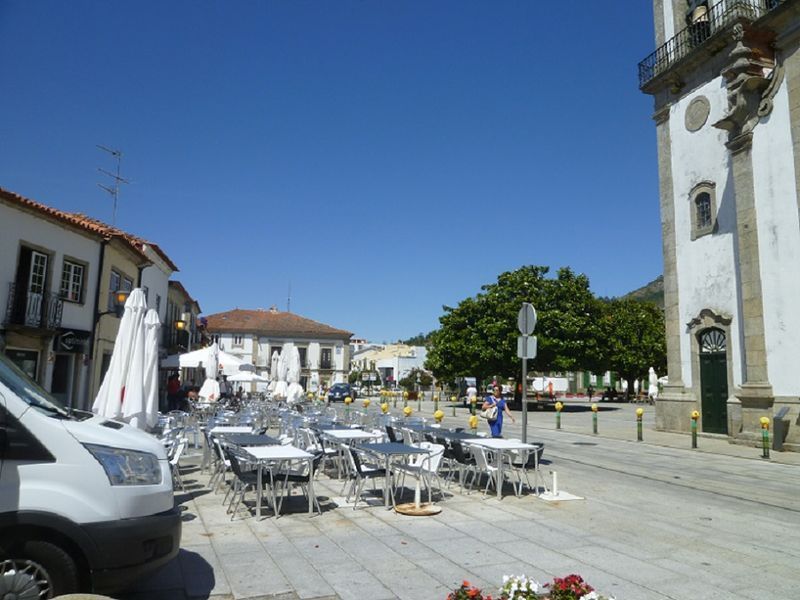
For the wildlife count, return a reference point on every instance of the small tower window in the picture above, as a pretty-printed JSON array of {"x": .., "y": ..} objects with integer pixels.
[
  {"x": 703, "y": 209},
  {"x": 703, "y": 204}
]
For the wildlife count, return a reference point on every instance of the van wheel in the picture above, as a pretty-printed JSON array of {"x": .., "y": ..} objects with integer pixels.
[{"x": 37, "y": 570}]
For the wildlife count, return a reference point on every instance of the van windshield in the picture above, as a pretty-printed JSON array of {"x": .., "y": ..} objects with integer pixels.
[{"x": 29, "y": 391}]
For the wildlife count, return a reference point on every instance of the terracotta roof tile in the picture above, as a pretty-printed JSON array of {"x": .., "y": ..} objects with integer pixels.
[
  {"x": 87, "y": 223},
  {"x": 272, "y": 322}
]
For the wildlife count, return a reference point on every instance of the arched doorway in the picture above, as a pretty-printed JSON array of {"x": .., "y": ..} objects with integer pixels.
[{"x": 714, "y": 380}]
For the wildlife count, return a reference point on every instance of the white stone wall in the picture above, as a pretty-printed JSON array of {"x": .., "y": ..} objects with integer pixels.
[
  {"x": 157, "y": 282},
  {"x": 705, "y": 266},
  {"x": 18, "y": 226},
  {"x": 779, "y": 244}
]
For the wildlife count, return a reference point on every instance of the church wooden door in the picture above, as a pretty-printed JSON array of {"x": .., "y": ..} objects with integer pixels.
[{"x": 714, "y": 381}]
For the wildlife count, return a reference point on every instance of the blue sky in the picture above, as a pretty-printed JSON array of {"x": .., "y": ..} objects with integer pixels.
[{"x": 386, "y": 158}]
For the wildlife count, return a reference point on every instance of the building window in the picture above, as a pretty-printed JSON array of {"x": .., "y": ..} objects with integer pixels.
[
  {"x": 113, "y": 286},
  {"x": 72, "y": 277},
  {"x": 158, "y": 303},
  {"x": 325, "y": 358},
  {"x": 127, "y": 284},
  {"x": 704, "y": 209},
  {"x": 238, "y": 340},
  {"x": 303, "y": 352},
  {"x": 703, "y": 205},
  {"x": 146, "y": 291}
]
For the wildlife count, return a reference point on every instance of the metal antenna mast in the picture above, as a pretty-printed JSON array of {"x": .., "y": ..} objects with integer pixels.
[
  {"x": 113, "y": 190},
  {"x": 289, "y": 299}
]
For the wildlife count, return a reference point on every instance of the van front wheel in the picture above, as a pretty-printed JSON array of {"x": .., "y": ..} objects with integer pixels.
[{"x": 36, "y": 570}]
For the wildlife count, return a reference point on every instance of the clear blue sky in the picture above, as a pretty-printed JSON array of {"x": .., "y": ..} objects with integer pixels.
[{"x": 385, "y": 157}]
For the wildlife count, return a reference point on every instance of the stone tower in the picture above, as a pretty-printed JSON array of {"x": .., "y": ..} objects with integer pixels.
[{"x": 725, "y": 78}]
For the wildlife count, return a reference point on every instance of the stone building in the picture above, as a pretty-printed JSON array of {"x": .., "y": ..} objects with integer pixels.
[
  {"x": 725, "y": 78},
  {"x": 61, "y": 272},
  {"x": 253, "y": 335}
]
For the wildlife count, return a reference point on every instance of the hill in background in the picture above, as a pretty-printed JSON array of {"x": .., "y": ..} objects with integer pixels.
[{"x": 652, "y": 292}]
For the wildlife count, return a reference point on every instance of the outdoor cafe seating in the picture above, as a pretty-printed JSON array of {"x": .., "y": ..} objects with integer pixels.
[{"x": 268, "y": 449}]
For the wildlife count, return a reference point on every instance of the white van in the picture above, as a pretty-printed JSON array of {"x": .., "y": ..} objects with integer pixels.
[{"x": 86, "y": 504}]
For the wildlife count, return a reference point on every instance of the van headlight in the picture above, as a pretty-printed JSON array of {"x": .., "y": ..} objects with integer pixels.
[{"x": 127, "y": 467}]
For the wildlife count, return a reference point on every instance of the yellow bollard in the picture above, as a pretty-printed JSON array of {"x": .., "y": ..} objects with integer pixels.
[
  {"x": 594, "y": 419},
  {"x": 473, "y": 423},
  {"x": 365, "y": 403},
  {"x": 385, "y": 407},
  {"x": 453, "y": 399},
  {"x": 438, "y": 415},
  {"x": 639, "y": 413},
  {"x": 695, "y": 416},
  {"x": 405, "y": 399},
  {"x": 559, "y": 407},
  {"x": 407, "y": 411},
  {"x": 764, "y": 436}
]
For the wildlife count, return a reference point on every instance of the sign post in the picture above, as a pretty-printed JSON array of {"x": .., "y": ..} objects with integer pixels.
[{"x": 526, "y": 348}]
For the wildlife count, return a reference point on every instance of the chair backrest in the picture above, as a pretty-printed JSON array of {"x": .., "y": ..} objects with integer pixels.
[
  {"x": 458, "y": 452},
  {"x": 355, "y": 462},
  {"x": 480, "y": 458},
  {"x": 408, "y": 437},
  {"x": 392, "y": 434},
  {"x": 432, "y": 460},
  {"x": 178, "y": 451},
  {"x": 235, "y": 459}
]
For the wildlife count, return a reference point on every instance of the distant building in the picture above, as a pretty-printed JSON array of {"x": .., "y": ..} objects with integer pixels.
[
  {"x": 727, "y": 112},
  {"x": 253, "y": 335},
  {"x": 392, "y": 361}
]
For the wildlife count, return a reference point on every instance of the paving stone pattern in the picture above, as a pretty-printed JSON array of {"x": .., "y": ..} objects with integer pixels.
[{"x": 658, "y": 521}]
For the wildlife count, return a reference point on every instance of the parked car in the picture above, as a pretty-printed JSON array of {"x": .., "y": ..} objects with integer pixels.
[
  {"x": 340, "y": 391},
  {"x": 86, "y": 504}
]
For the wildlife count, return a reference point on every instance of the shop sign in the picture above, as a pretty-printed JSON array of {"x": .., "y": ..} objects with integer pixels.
[{"x": 72, "y": 340}]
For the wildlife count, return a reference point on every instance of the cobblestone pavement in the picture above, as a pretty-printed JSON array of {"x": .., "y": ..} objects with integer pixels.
[{"x": 658, "y": 521}]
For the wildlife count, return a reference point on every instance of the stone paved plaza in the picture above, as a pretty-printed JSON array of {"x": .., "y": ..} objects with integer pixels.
[{"x": 658, "y": 521}]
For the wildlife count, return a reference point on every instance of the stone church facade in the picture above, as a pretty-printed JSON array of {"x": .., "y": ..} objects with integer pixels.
[{"x": 725, "y": 79}]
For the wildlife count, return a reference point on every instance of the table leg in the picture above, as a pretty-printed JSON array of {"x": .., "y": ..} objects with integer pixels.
[
  {"x": 310, "y": 487},
  {"x": 259, "y": 490},
  {"x": 386, "y": 484},
  {"x": 499, "y": 458}
]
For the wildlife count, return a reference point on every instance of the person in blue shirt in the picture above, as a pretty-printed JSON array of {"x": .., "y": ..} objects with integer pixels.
[{"x": 496, "y": 399}]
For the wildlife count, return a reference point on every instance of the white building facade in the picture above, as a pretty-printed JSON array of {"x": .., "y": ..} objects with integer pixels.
[
  {"x": 392, "y": 361},
  {"x": 254, "y": 335},
  {"x": 726, "y": 91}
]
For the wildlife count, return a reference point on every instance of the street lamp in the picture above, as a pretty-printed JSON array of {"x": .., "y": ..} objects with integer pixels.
[{"x": 182, "y": 324}]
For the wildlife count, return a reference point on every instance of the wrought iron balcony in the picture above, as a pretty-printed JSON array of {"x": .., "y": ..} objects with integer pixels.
[
  {"x": 720, "y": 17},
  {"x": 28, "y": 309}
]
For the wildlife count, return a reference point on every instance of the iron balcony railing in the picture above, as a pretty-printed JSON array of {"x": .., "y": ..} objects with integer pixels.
[
  {"x": 719, "y": 17},
  {"x": 38, "y": 310}
]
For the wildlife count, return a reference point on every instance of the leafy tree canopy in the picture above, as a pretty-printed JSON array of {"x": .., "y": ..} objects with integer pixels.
[
  {"x": 421, "y": 339},
  {"x": 633, "y": 336},
  {"x": 479, "y": 336}
]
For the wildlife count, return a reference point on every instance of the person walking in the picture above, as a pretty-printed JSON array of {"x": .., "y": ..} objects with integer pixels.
[{"x": 496, "y": 399}]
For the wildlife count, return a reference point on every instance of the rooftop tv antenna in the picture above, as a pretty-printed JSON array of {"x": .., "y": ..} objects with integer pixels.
[
  {"x": 289, "y": 299},
  {"x": 113, "y": 190}
]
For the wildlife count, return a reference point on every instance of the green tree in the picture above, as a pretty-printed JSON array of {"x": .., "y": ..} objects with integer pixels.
[
  {"x": 421, "y": 339},
  {"x": 416, "y": 377},
  {"x": 633, "y": 339},
  {"x": 354, "y": 377},
  {"x": 479, "y": 336}
]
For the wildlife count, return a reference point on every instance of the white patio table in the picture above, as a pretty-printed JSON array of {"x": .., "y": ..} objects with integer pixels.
[
  {"x": 500, "y": 446},
  {"x": 280, "y": 453},
  {"x": 220, "y": 429}
]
